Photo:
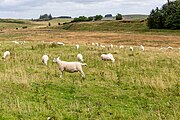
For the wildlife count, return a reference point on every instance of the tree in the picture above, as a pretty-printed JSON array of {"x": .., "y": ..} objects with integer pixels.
[
  {"x": 50, "y": 16},
  {"x": 98, "y": 17},
  {"x": 167, "y": 17},
  {"x": 118, "y": 17},
  {"x": 90, "y": 18}
]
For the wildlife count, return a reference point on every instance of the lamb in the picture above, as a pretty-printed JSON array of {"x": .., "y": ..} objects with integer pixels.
[
  {"x": 108, "y": 57},
  {"x": 77, "y": 47},
  {"x": 45, "y": 59},
  {"x": 142, "y": 47},
  {"x": 70, "y": 67},
  {"x": 80, "y": 58},
  {"x": 6, "y": 54}
]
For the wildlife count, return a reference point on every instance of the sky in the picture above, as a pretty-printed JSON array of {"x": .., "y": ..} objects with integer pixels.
[{"x": 27, "y": 9}]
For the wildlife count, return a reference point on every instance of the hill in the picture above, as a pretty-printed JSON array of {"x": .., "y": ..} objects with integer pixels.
[
  {"x": 135, "y": 17},
  {"x": 123, "y": 26}
]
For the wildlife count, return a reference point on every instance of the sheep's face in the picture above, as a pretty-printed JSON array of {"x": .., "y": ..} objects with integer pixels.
[{"x": 55, "y": 60}]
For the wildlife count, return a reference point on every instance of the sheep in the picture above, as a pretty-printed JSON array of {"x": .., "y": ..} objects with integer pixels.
[
  {"x": 97, "y": 44},
  {"x": 80, "y": 58},
  {"x": 6, "y": 54},
  {"x": 77, "y": 47},
  {"x": 121, "y": 47},
  {"x": 60, "y": 43},
  {"x": 111, "y": 46},
  {"x": 131, "y": 48},
  {"x": 15, "y": 42},
  {"x": 142, "y": 47},
  {"x": 45, "y": 59},
  {"x": 103, "y": 46},
  {"x": 92, "y": 44},
  {"x": 108, "y": 57},
  {"x": 169, "y": 48},
  {"x": 70, "y": 67}
]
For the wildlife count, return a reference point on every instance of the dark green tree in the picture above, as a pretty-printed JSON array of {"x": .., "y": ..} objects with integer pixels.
[
  {"x": 118, "y": 17},
  {"x": 98, "y": 17},
  {"x": 167, "y": 17},
  {"x": 90, "y": 18}
]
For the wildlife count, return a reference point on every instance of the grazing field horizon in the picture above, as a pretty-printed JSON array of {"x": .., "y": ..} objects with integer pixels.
[{"x": 138, "y": 85}]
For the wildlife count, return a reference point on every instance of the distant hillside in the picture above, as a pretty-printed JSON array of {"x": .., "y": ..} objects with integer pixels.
[
  {"x": 135, "y": 17},
  {"x": 113, "y": 25}
]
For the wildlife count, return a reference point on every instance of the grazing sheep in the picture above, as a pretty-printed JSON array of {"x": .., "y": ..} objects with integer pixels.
[
  {"x": 45, "y": 59},
  {"x": 142, "y": 47},
  {"x": 107, "y": 57},
  {"x": 77, "y": 47},
  {"x": 97, "y": 44},
  {"x": 92, "y": 44},
  {"x": 15, "y": 42},
  {"x": 70, "y": 67},
  {"x": 121, "y": 47},
  {"x": 111, "y": 46},
  {"x": 169, "y": 48},
  {"x": 60, "y": 43},
  {"x": 161, "y": 48},
  {"x": 80, "y": 58},
  {"x": 103, "y": 46},
  {"x": 6, "y": 54},
  {"x": 131, "y": 48}
]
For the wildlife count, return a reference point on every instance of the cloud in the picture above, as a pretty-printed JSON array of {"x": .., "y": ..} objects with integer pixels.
[{"x": 33, "y": 8}]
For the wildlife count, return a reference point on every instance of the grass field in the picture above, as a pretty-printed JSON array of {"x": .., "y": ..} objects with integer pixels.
[{"x": 139, "y": 85}]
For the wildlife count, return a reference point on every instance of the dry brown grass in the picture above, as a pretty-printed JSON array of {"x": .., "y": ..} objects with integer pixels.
[{"x": 88, "y": 37}]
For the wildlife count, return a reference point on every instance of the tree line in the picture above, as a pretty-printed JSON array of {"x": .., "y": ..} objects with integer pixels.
[
  {"x": 93, "y": 18},
  {"x": 167, "y": 17}
]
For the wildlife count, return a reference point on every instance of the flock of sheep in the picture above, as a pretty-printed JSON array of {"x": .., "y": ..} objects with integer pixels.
[{"x": 72, "y": 67}]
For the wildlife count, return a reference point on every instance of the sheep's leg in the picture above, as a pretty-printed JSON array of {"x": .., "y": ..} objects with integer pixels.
[
  {"x": 82, "y": 73},
  {"x": 61, "y": 74}
]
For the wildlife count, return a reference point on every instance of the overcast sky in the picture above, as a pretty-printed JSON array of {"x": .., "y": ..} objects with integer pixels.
[{"x": 75, "y": 8}]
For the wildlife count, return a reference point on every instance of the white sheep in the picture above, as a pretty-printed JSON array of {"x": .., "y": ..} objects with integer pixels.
[
  {"x": 15, "y": 42},
  {"x": 102, "y": 46},
  {"x": 92, "y": 44},
  {"x": 111, "y": 46},
  {"x": 70, "y": 67},
  {"x": 97, "y": 44},
  {"x": 80, "y": 58},
  {"x": 169, "y": 48},
  {"x": 121, "y": 47},
  {"x": 142, "y": 47},
  {"x": 45, "y": 59},
  {"x": 60, "y": 43},
  {"x": 6, "y": 54},
  {"x": 77, "y": 47},
  {"x": 108, "y": 57},
  {"x": 131, "y": 48}
]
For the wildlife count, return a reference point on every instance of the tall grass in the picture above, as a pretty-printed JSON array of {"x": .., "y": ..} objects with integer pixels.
[{"x": 139, "y": 85}]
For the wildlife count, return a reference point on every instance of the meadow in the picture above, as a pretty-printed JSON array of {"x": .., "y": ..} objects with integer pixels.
[{"x": 138, "y": 86}]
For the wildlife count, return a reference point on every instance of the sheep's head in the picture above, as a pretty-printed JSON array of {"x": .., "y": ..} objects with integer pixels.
[{"x": 56, "y": 59}]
